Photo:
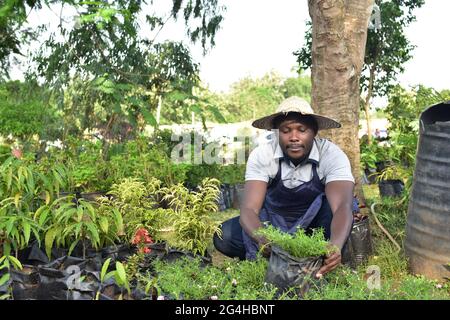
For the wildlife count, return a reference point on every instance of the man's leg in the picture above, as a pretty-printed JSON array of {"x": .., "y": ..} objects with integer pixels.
[{"x": 230, "y": 243}]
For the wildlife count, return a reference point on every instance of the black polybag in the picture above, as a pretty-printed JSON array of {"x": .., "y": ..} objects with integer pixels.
[
  {"x": 286, "y": 271},
  {"x": 359, "y": 244}
]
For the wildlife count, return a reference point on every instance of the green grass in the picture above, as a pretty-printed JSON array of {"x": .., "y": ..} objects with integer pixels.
[
  {"x": 187, "y": 279},
  {"x": 299, "y": 244}
]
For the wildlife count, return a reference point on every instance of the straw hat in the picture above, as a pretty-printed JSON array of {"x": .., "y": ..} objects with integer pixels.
[{"x": 295, "y": 104}]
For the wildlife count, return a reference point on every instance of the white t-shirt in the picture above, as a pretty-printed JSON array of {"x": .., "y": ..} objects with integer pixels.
[{"x": 333, "y": 164}]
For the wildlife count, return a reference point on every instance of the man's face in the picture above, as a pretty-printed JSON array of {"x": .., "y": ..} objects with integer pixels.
[{"x": 296, "y": 138}]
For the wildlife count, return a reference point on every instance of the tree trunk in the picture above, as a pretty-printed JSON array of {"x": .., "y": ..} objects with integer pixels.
[
  {"x": 339, "y": 30},
  {"x": 158, "y": 109}
]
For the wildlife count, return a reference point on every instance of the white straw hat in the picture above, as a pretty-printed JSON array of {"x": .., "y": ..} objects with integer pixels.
[{"x": 299, "y": 105}]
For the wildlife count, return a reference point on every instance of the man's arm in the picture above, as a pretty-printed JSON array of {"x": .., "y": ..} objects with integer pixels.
[
  {"x": 340, "y": 197},
  {"x": 254, "y": 194}
]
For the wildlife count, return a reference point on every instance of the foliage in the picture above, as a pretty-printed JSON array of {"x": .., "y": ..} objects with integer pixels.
[
  {"x": 299, "y": 244},
  {"x": 252, "y": 98},
  {"x": 6, "y": 262},
  {"x": 16, "y": 223},
  {"x": 403, "y": 113},
  {"x": 232, "y": 174},
  {"x": 118, "y": 72},
  {"x": 187, "y": 279},
  {"x": 136, "y": 202},
  {"x": 180, "y": 104},
  {"x": 68, "y": 222},
  {"x": 23, "y": 188},
  {"x": 141, "y": 159},
  {"x": 299, "y": 86},
  {"x": 119, "y": 274},
  {"x": 387, "y": 48},
  {"x": 25, "y": 110},
  {"x": 13, "y": 15},
  {"x": 346, "y": 284},
  {"x": 371, "y": 154},
  {"x": 192, "y": 222}
]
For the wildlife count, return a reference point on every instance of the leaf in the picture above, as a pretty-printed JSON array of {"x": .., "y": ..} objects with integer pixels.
[
  {"x": 149, "y": 118},
  {"x": 49, "y": 240},
  {"x": 72, "y": 246},
  {"x": 17, "y": 199},
  {"x": 109, "y": 275},
  {"x": 16, "y": 263},
  {"x": 217, "y": 114},
  {"x": 26, "y": 231},
  {"x": 119, "y": 222},
  {"x": 9, "y": 177},
  {"x": 6, "y": 248},
  {"x": 95, "y": 238},
  {"x": 5, "y": 278},
  {"x": 104, "y": 270},
  {"x": 103, "y": 222},
  {"x": 120, "y": 271},
  {"x": 47, "y": 197},
  {"x": 10, "y": 224}
]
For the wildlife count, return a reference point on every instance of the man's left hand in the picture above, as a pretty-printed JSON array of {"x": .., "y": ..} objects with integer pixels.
[{"x": 331, "y": 262}]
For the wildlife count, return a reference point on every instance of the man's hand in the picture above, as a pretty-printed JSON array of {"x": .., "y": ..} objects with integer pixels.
[{"x": 332, "y": 261}]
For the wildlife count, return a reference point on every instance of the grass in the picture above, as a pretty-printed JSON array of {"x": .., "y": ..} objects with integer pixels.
[
  {"x": 299, "y": 244},
  {"x": 187, "y": 279}
]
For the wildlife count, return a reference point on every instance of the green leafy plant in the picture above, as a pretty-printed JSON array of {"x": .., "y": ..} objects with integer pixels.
[
  {"x": 69, "y": 223},
  {"x": 192, "y": 222},
  {"x": 371, "y": 154},
  {"x": 137, "y": 203},
  {"x": 298, "y": 244},
  {"x": 119, "y": 274},
  {"x": 16, "y": 223},
  {"x": 6, "y": 262}
]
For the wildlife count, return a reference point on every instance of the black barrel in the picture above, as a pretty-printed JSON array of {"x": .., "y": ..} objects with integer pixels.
[{"x": 427, "y": 242}]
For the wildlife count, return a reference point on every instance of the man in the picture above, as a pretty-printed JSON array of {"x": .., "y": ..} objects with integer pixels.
[{"x": 295, "y": 180}]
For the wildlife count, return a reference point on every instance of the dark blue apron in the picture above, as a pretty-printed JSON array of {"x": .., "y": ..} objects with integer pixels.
[{"x": 288, "y": 209}]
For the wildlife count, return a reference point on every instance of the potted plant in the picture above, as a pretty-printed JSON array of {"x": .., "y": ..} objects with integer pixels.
[
  {"x": 295, "y": 258},
  {"x": 373, "y": 160},
  {"x": 390, "y": 181},
  {"x": 191, "y": 219}
]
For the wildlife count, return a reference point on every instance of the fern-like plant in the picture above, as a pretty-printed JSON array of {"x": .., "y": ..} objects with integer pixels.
[
  {"x": 192, "y": 221},
  {"x": 136, "y": 202},
  {"x": 299, "y": 244}
]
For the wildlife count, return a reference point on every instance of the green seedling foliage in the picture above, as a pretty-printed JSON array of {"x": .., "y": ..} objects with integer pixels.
[{"x": 299, "y": 244}]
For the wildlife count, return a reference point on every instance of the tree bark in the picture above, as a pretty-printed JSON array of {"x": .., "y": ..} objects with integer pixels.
[{"x": 339, "y": 30}]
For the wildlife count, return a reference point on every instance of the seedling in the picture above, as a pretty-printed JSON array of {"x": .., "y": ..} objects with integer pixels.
[{"x": 299, "y": 244}]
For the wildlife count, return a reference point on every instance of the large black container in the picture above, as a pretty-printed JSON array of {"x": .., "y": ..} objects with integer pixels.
[{"x": 427, "y": 242}]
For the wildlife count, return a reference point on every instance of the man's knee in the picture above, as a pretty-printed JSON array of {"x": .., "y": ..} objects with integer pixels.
[{"x": 229, "y": 240}]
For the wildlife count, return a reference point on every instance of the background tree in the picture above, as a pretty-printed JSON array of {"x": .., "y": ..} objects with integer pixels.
[
  {"x": 338, "y": 41},
  {"x": 387, "y": 50},
  {"x": 117, "y": 72},
  {"x": 13, "y": 34}
]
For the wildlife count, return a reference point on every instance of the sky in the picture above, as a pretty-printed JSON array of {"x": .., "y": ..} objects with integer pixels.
[{"x": 259, "y": 36}]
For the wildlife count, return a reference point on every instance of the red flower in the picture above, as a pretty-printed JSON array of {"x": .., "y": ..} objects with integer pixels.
[
  {"x": 141, "y": 237},
  {"x": 145, "y": 250}
]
